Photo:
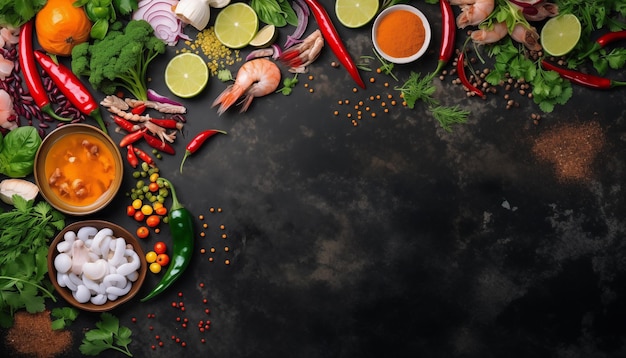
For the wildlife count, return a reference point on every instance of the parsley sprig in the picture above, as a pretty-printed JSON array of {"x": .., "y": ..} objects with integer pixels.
[
  {"x": 108, "y": 335},
  {"x": 24, "y": 234},
  {"x": 27, "y": 228}
]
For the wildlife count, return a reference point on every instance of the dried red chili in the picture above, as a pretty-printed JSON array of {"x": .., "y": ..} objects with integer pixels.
[
  {"x": 144, "y": 156},
  {"x": 329, "y": 32},
  {"x": 158, "y": 143},
  {"x": 132, "y": 137},
  {"x": 72, "y": 87},
  {"x": 197, "y": 142},
  {"x": 448, "y": 34},
  {"x": 31, "y": 74},
  {"x": 583, "y": 79},
  {"x": 460, "y": 69},
  {"x": 126, "y": 124},
  {"x": 168, "y": 123},
  {"x": 131, "y": 157}
]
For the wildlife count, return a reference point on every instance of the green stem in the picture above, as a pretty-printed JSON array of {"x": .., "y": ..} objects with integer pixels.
[{"x": 30, "y": 283}]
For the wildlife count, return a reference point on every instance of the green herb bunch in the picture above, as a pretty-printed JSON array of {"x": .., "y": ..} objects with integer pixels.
[
  {"x": 418, "y": 88},
  {"x": 24, "y": 234}
]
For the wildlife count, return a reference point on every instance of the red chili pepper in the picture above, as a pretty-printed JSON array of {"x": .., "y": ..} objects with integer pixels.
[
  {"x": 131, "y": 157},
  {"x": 132, "y": 137},
  {"x": 460, "y": 69},
  {"x": 126, "y": 124},
  {"x": 196, "y": 142},
  {"x": 448, "y": 34},
  {"x": 72, "y": 87},
  {"x": 144, "y": 156},
  {"x": 167, "y": 123},
  {"x": 582, "y": 79},
  {"x": 31, "y": 74},
  {"x": 139, "y": 109},
  {"x": 158, "y": 143},
  {"x": 609, "y": 37},
  {"x": 334, "y": 41}
]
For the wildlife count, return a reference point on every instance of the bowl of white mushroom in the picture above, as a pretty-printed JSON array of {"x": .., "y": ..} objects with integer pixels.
[{"x": 96, "y": 265}]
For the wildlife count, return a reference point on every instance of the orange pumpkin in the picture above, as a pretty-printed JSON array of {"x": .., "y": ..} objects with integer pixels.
[{"x": 60, "y": 26}]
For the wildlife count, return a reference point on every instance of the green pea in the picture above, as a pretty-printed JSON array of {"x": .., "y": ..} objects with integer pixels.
[{"x": 136, "y": 175}]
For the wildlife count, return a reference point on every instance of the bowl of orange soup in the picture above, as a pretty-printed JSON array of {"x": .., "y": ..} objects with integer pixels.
[{"x": 78, "y": 169}]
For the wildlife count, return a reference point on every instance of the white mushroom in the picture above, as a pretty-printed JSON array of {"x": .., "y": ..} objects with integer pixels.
[
  {"x": 80, "y": 256},
  {"x": 95, "y": 271},
  {"x": 63, "y": 263}
]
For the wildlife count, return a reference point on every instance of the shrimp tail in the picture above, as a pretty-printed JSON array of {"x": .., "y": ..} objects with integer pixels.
[
  {"x": 228, "y": 97},
  {"x": 527, "y": 36},
  {"x": 246, "y": 102}
]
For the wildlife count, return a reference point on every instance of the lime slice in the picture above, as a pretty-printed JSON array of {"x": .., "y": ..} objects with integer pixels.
[
  {"x": 265, "y": 37},
  {"x": 236, "y": 25},
  {"x": 186, "y": 75},
  {"x": 560, "y": 34},
  {"x": 355, "y": 13}
]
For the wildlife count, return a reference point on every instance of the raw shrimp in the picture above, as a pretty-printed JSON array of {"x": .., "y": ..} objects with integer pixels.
[
  {"x": 544, "y": 10},
  {"x": 490, "y": 35},
  {"x": 473, "y": 12},
  {"x": 256, "y": 78},
  {"x": 299, "y": 56},
  {"x": 527, "y": 36}
]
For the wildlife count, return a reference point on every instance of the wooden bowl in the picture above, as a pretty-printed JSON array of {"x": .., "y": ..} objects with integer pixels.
[
  {"x": 401, "y": 33},
  {"x": 101, "y": 174},
  {"x": 118, "y": 231}
]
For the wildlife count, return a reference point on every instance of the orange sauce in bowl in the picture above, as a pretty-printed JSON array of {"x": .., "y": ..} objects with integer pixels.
[{"x": 80, "y": 168}]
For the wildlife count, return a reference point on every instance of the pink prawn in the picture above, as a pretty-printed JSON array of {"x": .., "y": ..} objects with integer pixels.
[
  {"x": 256, "y": 78},
  {"x": 473, "y": 12}
]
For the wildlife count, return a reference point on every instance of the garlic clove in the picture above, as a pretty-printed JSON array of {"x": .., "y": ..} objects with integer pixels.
[
  {"x": 20, "y": 187},
  {"x": 63, "y": 263},
  {"x": 197, "y": 13},
  {"x": 218, "y": 4}
]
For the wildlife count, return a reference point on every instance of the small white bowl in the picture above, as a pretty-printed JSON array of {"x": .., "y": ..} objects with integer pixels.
[{"x": 402, "y": 30}]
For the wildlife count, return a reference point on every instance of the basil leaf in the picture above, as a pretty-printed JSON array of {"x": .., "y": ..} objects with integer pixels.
[
  {"x": 269, "y": 11},
  {"x": 17, "y": 157},
  {"x": 288, "y": 12}
]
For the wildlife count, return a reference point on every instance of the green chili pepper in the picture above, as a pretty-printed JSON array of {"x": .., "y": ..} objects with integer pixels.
[{"x": 181, "y": 229}]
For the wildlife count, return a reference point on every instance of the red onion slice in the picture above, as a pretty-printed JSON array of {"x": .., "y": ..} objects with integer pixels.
[{"x": 160, "y": 15}]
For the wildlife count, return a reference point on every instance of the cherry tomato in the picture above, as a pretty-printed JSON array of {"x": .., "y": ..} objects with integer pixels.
[
  {"x": 163, "y": 259},
  {"x": 142, "y": 232},
  {"x": 153, "y": 187},
  {"x": 139, "y": 216},
  {"x": 155, "y": 267},
  {"x": 130, "y": 211},
  {"x": 151, "y": 257},
  {"x": 146, "y": 209},
  {"x": 153, "y": 220},
  {"x": 160, "y": 247},
  {"x": 137, "y": 204}
]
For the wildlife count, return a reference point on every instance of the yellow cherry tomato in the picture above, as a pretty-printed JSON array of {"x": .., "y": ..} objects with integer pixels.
[
  {"x": 151, "y": 257},
  {"x": 137, "y": 203},
  {"x": 146, "y": 209},
  {"x": 155, "y": 267}
]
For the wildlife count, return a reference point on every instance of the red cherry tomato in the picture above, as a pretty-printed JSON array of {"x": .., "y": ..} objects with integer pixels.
[
  {"x": 153, "y": 220},
  {"x": 139, "y": 216},
  {"x": 163, "y": 259},
  {"x": 130, "y": 211},
  {"x": 142, "y": 232},
  {"x": 160, "y": 247}
]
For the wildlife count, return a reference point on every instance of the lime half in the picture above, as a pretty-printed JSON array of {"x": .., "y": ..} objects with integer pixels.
[
  {"x": 265, "y": 37},
  {"x": 355, "y": 13},
  {"x": 560, "y": 34},
  {"x": 236, "y": 25},
  {"x": 186, "y": 75}
]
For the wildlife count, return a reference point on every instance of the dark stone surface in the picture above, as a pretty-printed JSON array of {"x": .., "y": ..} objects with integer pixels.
[{"x": 392, "y": 238}]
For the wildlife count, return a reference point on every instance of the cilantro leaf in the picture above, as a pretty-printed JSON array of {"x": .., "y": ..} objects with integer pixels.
[{"x": 107, "y": 335}]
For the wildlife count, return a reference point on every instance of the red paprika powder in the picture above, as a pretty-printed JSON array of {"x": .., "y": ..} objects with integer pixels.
[{"x": 400, "y": 34}]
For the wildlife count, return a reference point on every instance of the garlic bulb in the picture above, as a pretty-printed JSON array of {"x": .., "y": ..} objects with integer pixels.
[{"x": 194, "y": 12}]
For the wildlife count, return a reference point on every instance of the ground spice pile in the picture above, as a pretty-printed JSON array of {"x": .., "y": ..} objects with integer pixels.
[
  {"x": 218, "y": 55},
  {"x": 32, "y": 335},
  {"x": 572, "y": 149}
]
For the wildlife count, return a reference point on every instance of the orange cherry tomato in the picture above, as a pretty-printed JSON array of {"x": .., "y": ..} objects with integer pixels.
[
  {"x": 160, "y": 247},
  {"x": 142, "y": 232},
  {"x": 162, "y": 210},
  {"x": 153, "y": 220},
  {"x": 163, "y": 259},
  {"x": 153, "y": 187}
]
